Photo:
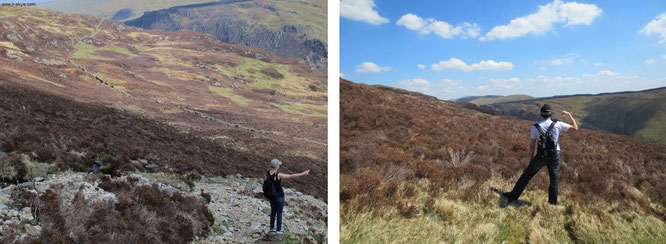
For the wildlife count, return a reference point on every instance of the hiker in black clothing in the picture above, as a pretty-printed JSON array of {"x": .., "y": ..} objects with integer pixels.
[
  {"x": 547, "y": 149},
  {"x": 277, "y": 202}
]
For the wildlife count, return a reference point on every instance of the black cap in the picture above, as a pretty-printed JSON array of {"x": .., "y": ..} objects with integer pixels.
[{"x": 546, "y": 110}]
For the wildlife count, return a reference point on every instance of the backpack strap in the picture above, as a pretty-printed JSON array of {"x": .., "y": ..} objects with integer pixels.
[
  {"x": 551, "y": 126},
  {"x": 538, "y": 127}
]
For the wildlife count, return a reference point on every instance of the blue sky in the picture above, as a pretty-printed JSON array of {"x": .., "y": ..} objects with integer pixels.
[{"x": 452, "y": 49}]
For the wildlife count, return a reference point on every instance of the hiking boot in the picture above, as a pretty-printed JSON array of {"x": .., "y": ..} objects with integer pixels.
[
  {"x": 508, "y": 196},
  {"x": 279, "y": 232}
]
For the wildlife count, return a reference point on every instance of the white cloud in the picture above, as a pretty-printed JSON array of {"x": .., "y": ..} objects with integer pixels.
[
  {"x": 656, "y": 26},
  {"x": 570, "y": 13},
  {"x": 483, "y": 88},
  {"x": 416, "y": 84},
  {"x": 663, "y": 56},
  {"x": 484, "y": 65},
  {"x": 370, "y": 67},
  {"x": 561, "y": 61},
  {"x": 361, "y": 10},
  {"x": 598, "y": 64},
  {"x": 650, "y": 61},
  {"x": 440, "y": 28},
  {"x": 604, "y": 78},
  {"x": 342, "y": 75},
  {"x": 450, "y": 82},
  {"x": 421, "y": 66},
  {"x": 510, "y": 83}
]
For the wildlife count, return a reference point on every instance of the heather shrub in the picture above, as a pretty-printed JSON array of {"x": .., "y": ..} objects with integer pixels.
[
  {"x": 71, "y": 135},
  {"x": 142, "y": 214},
  {"x": 391, "y": 137}
]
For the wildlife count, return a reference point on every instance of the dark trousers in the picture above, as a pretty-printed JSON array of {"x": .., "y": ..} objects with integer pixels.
[
  {"x": 276, "y": 211},
  {"x": 533, "y": 168}
]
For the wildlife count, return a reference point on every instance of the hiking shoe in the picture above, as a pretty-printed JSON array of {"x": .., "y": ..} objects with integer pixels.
[
  {"x": 272, "y": 230},
  {"x": 279, "y": 232},
  {"x": 508, "y": 196}
]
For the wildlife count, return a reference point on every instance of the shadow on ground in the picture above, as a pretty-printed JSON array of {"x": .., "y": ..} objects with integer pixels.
[
  {"x": 502, "y": 202},
  {"x": 277, "y": 239}
]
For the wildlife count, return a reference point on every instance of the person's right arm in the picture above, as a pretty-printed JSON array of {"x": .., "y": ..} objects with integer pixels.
[
  {"x": 573, "y": 122},
  {"x": 289, "y": 176}
]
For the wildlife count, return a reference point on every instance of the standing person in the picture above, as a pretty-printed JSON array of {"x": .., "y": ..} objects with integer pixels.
[
  {"x": 544, "y": 140},
  {"x": 277, "y": 202}
]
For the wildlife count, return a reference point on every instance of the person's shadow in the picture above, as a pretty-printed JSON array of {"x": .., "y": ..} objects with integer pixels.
[{"x": 503, "y": 202}]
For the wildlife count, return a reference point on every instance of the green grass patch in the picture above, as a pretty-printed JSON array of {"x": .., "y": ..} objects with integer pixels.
[
  {"x": 250, "y": 70},
  {"x": 303, "y": 109},
  {"x": 142, "y": 48},
  {"x": 226, "y": 93},
  {"x": 87, "y": 51}
]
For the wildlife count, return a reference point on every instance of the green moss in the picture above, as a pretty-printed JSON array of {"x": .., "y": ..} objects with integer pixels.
[{"x": 228, "y": 94}]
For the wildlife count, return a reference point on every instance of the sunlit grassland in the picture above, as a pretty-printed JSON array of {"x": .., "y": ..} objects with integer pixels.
[
  {"x": 88, "y": 51},
  {"x": 303, "y": 109},
  {"x": 226, "y": 93},
  {"x": 309, "y": 18},
  {"x": 9, "y": 45},
  {"x": 250, "y": 69},
  {"x": 442, "y": 218}
]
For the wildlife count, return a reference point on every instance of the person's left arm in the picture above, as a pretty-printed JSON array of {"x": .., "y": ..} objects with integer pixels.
[
  {"x": 289, "y": 176},
  {"x": 573, "y": 122}
]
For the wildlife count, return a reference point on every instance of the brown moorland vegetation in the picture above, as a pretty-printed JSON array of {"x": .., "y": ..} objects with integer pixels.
[
  {"x": 142, "y": 214},
  {"x": 98, "y": 89},
  {"x": 407, "y": 157},
  {"x": 72, "y": 135}
]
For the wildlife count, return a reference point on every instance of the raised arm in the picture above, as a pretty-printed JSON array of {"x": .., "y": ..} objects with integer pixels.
[
  {"x": 573, "y": 122},
  {"x": 289, "y": 176}
]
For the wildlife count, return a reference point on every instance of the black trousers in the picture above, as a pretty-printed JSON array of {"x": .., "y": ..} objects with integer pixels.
[
  {"x": 276, "y": 211},
  {"x": 533, "y": 168}
]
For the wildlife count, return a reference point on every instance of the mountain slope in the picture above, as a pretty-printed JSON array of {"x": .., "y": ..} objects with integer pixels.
[
  {"x": 483, "y": 100},
  {"x": 637, "y": 114},
  {"x": 287, "y": 28},
  {"x": 245, "y": 102},
  {"x": 420, "y": 170},
  {"x": 115, "y": 9}
]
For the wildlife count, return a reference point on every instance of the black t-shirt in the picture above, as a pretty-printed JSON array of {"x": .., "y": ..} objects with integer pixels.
[{"x": 277, "y": 182}]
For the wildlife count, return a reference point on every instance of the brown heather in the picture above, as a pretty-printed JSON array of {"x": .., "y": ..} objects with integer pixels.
[
  {"x": 143, "y": 214},
  {"x": 71, "y": 135},
  {"x": 410, "y": 156}
]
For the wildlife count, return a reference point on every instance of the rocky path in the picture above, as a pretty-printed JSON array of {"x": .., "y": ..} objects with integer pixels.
[{"x": 241, "y": 215}]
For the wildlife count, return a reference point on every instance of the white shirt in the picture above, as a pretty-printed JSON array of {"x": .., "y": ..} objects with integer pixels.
[{"x": 557, "y": 129}]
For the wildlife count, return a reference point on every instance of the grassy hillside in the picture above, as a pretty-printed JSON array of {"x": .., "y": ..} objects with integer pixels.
[
  {"x": 483, "y": 100},
  {"x": 287, "y": 28},
  {"x": 115, "y": 9},
  {"x": 637, "y": 114},
  {"x": 425, "y": 171},
  {"x": 237, "y": 99}
]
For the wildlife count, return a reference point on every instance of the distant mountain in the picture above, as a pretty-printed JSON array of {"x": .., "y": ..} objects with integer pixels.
[
  {"x": 115, "y": 9},
  {"x": 287, "y": 28},
  {"x": 490, "y": 99},
  {"x": 639, "y": 114},
  {"x": 421, "y": 170}
]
